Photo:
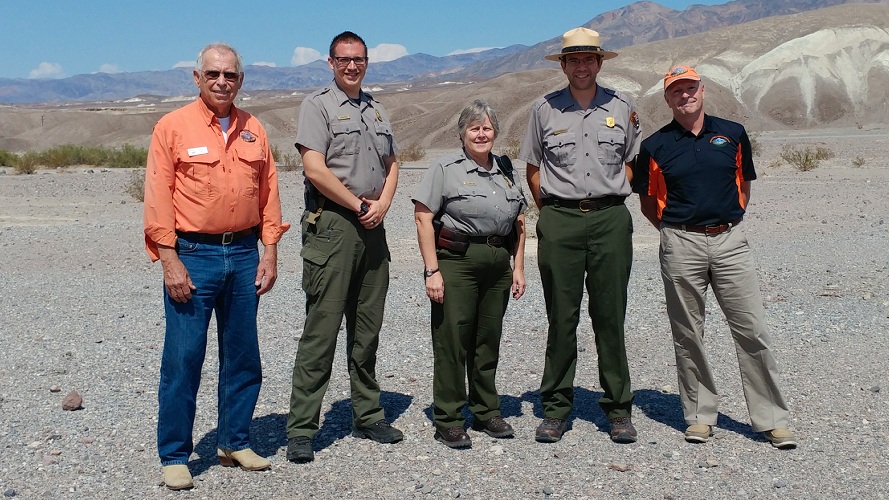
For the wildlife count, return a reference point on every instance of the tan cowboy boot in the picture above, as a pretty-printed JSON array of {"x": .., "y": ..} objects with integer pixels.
[
  {"x": 246, "y": 459},
  {"x": 177, "y": 477}
]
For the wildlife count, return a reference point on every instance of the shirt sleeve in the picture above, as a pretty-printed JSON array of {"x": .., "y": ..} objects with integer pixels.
[
  {"x": 634, "y": 131},
  {"x": 748, "y": 172},
  {"x": 641, "y": 172},
  {"x": 159, "y": 217},
  {"x": 311, "y": 128},
  {"x": 271, "y": 224},
  {"x": 430, "y": 192},
  {"x": 532, "y": 147}
]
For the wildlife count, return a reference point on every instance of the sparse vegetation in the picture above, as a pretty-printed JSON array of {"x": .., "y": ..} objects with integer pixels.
[
  {"x": 8, "y": 159},
  {"x": 136, "y": 184},
  {"x": 68, "y": 155},
  {"x": 510, "y": 148},
  {"x": 755, "y": 147},
  {"x": 805, "y": 159},
  {"x": 27, "y": 163},
  {"x": 858, "y": 161},
  {"x": 414, "y": 152},
  {"x": 286, "y": 162}
]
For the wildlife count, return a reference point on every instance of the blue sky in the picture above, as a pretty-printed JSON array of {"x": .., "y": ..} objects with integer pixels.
[{"x": 56, "y": 38}]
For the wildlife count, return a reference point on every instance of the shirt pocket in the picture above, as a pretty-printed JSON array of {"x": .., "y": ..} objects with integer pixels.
[
  {"x": 345, "y": 137},
  {"x": 560, "y": 150},
  {"x": 384, "y": 138},
  {"x": 247, "y": 168},
  {"x": 197, "y": 172},
  {"x": 469, "y": 201},
  {"x": 611, "y": 150}
]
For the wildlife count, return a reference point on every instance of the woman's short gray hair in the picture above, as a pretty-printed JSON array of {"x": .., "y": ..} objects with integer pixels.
[
  {"x": 199, "y": 63},
  {"x": 475, "y": 113}
]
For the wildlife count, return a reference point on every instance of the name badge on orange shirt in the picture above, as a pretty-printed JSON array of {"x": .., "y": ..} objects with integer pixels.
[{"x": 198, "y": 151}]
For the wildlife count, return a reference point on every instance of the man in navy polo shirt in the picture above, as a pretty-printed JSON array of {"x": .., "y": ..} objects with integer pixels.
[{"x": 693, "y": 179}]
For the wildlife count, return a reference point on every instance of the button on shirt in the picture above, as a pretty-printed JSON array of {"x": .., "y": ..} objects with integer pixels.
[
  {"x": 582, "y": 153},
  {"x": 354, "y": 135},
  {"x": 476, "y": 201},
  {"x": 197, "y": 182},
  {"x": 696, "y": 180}
]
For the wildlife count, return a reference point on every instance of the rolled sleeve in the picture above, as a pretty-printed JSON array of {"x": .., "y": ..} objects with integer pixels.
[{"x": 159, "y": 217}]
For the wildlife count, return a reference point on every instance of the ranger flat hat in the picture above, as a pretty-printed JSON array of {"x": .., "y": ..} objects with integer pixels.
[{"x": 581, "y": 40}]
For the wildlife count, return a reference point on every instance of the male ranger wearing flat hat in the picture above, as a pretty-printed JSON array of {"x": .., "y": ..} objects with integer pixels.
[
  {"x": 693, "y": 180},
  {"x": 580, "y": 143}
]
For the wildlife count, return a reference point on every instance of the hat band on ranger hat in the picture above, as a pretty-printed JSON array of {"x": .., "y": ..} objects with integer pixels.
[{"x": 582, "y": 48}]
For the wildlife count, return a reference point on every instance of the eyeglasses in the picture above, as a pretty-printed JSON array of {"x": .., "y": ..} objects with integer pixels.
[
  {"x": 586, "y": 61},
  {"x": 343, "y": 62},
  {"x": 230, "y": 76}
]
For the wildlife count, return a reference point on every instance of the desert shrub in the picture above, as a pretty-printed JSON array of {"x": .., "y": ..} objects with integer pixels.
[
  {"x": 510, "y": 148},
  {"x": 286, "y": 162},
  {"x": 136, "y": 184},
  {"x": 801, "y": 159},
  {"x": 127, "y": 156},
  {"x": 822, "y": 153},
  {"x": 28, "y": 163},
  {"x": 755, "y": 146},
  {"x": 858, "y": 161},
  {"x": 8, "y": 159},
  {"x": 414, "y": 152}
]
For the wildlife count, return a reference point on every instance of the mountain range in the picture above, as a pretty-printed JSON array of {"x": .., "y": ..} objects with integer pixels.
[{"x": 634, "y": 24}]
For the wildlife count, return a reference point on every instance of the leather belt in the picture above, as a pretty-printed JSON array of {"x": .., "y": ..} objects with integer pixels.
[
  {"x": 588, "y": 204},
  {"x": 218, "y": 239},
  {"x": 493, "y": 240},
  {"x": 708, "y": 230}
]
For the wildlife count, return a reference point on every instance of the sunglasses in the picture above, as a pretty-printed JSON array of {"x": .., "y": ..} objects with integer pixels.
[{"x": 230, "y": 76}]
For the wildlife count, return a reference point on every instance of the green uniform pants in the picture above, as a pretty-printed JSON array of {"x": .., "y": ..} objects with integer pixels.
[
  {"x": 596, "y": 245},
  {"x": 345, "y": 273},
  {"x": 466, "y": 331}
]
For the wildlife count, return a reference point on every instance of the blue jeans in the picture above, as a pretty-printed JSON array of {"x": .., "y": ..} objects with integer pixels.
[{"x": 224, "y": 277}]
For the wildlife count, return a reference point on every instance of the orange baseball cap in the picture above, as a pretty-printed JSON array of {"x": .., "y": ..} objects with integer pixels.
[{"x": 680, "y": 73}]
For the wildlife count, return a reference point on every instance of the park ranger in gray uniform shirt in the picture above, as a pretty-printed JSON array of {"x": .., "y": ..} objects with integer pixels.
[
  {"x": 579, "y": 149},
  {"x": 468, "y": 277},
  {"x": 345, "y": 139}
]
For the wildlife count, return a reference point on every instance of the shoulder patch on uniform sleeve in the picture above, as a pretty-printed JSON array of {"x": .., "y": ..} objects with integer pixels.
[{"x": 634, "y": 119}]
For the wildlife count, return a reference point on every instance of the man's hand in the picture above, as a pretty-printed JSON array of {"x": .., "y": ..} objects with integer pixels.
[
  {"x": 267, "y": 271},
  {"x": 376, "y": 213},
  {"x": 176, "y": 279}
]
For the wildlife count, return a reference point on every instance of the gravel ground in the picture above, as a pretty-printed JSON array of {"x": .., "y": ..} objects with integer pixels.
[{"x": 82, "y": 311}]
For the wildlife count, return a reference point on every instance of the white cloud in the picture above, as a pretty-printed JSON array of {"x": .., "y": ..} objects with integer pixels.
[
  {"x": 46, "y": 70},
  {"x": 304, "y": 55},
  {"x": 470, "y": 51},
  {"x": 263, "y": 63},
  {"x": 386, "y": 52},
  {"x": 108, "y": 68},
  {"x": 184, "y": 64}
]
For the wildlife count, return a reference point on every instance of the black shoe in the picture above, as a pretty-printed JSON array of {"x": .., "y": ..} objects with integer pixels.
[
  {"x": 453, "y": 437},
  {"x": 299, "y": 449},
  {"x": 622, "y": 430},
  {"x": 550, "y": 430},
  {"x": 496, "y": 427},
  {"x": 379, "y": 431}
]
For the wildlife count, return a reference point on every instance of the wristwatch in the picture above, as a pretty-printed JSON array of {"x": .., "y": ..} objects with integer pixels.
[{"x": 429, "y": 272}]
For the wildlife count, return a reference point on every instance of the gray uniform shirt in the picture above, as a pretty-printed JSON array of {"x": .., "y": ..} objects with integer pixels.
[
  {"x": 476, "y": 201},
  {"x": 582, "y": 153},
  {"x": 354, "y": 137}
]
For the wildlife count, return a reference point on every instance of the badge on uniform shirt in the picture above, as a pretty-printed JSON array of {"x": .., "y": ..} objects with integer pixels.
[
  {"x": 609, "y": 122},
  {"x": 379, "y": 118},
  {"x": 468, "y": 183},
  {"x": 198, "y": 151},
  {"x": 634, "y": 119},
  {"x": 343, "y": 117},
  {"x": 248, "y": 136},
  {"x": 560, "y": 131}
]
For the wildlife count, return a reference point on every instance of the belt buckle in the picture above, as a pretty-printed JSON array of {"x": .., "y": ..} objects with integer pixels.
[
  {"x": 228, "y": 237},
  {"x": 586, "y": 205},
  {"x": 494, "y": 240},
  {"x": 716, "y": 229}
]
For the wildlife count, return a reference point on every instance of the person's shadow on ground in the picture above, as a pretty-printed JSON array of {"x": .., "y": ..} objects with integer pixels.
[{"x": 269, "y": 433}]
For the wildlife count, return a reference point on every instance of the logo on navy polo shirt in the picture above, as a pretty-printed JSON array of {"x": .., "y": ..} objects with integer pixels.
[{"x": 720, "y": 141}]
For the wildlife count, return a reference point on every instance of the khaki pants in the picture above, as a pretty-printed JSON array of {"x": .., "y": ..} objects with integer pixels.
[{"x": 690, "y": 262}]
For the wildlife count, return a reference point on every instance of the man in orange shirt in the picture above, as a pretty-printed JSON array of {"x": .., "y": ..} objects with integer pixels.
[{"x": 211, "y": 191}]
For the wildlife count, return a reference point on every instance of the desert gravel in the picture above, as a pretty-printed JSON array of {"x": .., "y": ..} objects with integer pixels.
[{"x": 81, "y": 310}]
